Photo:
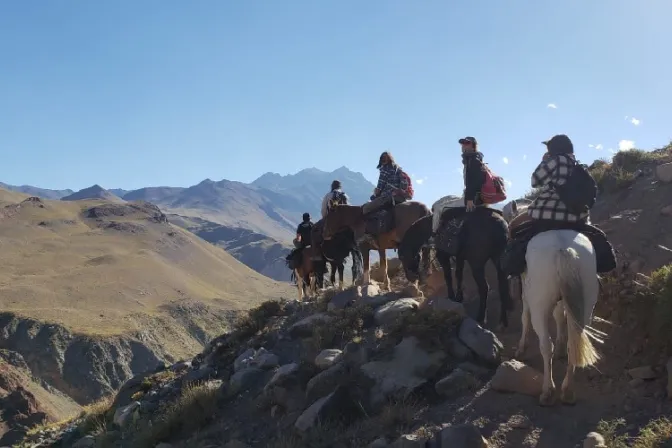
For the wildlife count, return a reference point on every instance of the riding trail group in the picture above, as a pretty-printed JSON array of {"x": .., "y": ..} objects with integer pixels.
[{"x": 547, "y": 243}]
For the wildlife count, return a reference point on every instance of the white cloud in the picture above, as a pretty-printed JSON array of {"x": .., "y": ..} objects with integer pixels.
[
  {"x": 611, "y": 150},
  {"x": 505, "y": 160},
  {"x": 420, "y": 180},
  {"x": 635, "y": 121},
  {"x": 508, "y": 183},
  {"x": 599, "y": 146},
  {"x": 524, "y": 156},
  {"x": 626, "y": 145},
  {"x": 552, "y": 106},
  {"x": 591, "y": 146}
]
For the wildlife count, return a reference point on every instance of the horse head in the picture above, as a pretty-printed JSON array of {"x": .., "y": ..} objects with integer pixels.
[{"x": 341, "y": 217}]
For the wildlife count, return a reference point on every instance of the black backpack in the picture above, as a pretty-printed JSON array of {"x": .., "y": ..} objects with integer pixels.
[
  {"x": 579, "y": 192},
  {"x": 337, "y": 198}
]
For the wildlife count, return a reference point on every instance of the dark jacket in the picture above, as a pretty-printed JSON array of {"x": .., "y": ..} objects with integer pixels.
[
  {"x": 304, "y": 230},
  {"x": 474, "y": 176}
]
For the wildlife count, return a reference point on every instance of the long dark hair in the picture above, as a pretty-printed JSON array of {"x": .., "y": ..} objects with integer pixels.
[{"x": 389, "y": 156}]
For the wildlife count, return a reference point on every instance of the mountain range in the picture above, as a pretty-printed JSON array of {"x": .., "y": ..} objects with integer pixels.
[{"x": 255, "y": 222}]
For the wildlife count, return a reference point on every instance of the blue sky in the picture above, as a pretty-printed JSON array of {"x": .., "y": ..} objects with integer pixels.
[{"x": 138, "y": 93}]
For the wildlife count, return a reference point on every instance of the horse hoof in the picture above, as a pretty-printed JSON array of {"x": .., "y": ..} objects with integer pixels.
[
  {"x": 547, "y": 398},
  {"x": 568, "y": 397}
]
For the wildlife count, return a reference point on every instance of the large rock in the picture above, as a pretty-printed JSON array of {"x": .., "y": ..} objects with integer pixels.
[
  {"x": 246, "y": 379},
  {"x": 282, "y": 374},
  {"x": 643, "y": 373},
  {"x": 261, "y": 359},
  {"x": 355, "y": 354},
  {"x": 409, "y": 368},
  {"x": 446, "y": 305},
  {"x": 324, "y": 382},
  {"x": 305, "y": 326},
  {"x": 410, "y": 441},
  {"x": 370, "y": 290},
  {"x": 482, "y": 342},
  {"x": 390, "y": 312},
  {"x": 664, "y": 172},
  {"x": 328, "y": 358},
  {"x": 125, "y": 415},
  {"x": 594, "y": 440},
  {"x": 455, "y": 384},
  {"x": 461, "y": 436},
  {"x": 514, "y": 376},
  {"x": 338, "y": 405}
]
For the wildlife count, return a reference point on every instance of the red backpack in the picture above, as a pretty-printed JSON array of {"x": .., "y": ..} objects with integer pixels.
[
  {"x": 409, "y": 190},
  {"x": 493, "y": 189}
]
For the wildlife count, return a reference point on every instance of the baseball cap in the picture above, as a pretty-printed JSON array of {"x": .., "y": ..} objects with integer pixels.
[
  {"x": 464, "y": 140},
  {"x": 559, "y": 144}
]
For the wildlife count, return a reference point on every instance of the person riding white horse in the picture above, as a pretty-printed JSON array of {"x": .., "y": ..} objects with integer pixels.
[{"x": 560, "y": 266}]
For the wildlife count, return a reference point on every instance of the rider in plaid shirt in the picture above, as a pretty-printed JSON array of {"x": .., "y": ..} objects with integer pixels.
[{"x": 554, "y": 170}]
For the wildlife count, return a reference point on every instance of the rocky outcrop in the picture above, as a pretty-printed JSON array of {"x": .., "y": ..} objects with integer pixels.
[{"x": 86, "y": 368}]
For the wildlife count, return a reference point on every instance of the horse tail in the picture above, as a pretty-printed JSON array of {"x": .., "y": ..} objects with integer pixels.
[
  {"x": 357, "y": 263},
  {"x": 581, "y": 352}
]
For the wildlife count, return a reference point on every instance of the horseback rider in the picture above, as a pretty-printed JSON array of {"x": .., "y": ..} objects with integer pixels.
[
  {"x": 553, "y": 171},
  {"x": 562, "y": 182},
  {"x": 391, "y": 182},
  {"x": 303, "y": 232},
  {"x": 335, "y": 197},
  {"x": 473, "y": 173}
]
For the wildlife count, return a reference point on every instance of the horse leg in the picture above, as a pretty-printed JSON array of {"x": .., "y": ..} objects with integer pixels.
[
  {"x": 541, "y": 300},
  {"x": 560, "y": 317},
  {"x": 522, "y": 343},
  {"x": 444, "y": 261},
  {"x": 478, "y": 273},
  {"x": 299, "y": 284},
  {"x": 366, "y": 277},
  {"x": 383, "y": 267},
  {"x": 459, "y": 277},
  {"x": 341, "y": 268},
  {"x": 332, "y": 276},
  {"x": 313, "y": 286},
  {"x": 504, "y": 295}
]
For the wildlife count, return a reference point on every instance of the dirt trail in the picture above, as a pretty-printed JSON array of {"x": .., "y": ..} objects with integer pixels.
[{"x": 514, "y": 420}]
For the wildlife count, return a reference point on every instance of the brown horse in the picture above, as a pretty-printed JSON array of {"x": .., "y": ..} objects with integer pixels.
[
  {"x": 351, "y": 216},
  {"x": 306, "y": 269}
]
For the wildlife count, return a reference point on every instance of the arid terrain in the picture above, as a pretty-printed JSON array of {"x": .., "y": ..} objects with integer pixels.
[{"x": 363, "y": 368}]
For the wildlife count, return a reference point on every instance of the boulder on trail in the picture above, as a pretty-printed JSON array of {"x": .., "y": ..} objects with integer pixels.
[
  {"x": 328, "y": 358},
  {"x": 516, "y": 377},
  {"x": 484, "y": 343},
  {"x": 409, "y": 368},
  {"x": 390, "y": 312},
  {"x": 664, "y": 172}
]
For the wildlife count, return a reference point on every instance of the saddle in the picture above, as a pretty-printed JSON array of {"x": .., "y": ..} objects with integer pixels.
[
  {"x": 452, "y": 220},
  {"x": 513, "y": 259}
]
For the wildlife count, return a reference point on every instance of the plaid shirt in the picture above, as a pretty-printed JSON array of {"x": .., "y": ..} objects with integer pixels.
[
  {"x": 551, "y": 172},
  {"x": 390, "y": 179}
]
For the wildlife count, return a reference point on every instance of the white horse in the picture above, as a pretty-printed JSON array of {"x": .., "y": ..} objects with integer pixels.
[{"x": 560, "y": 279}]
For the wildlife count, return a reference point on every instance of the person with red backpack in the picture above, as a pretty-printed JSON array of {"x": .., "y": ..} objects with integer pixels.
[{"x": 481, "y": 188}]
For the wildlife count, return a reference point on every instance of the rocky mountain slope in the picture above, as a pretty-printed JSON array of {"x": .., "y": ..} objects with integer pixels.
[
  {"x": 254, "y": 222},
  {"x": 361, "y": 368},
  {"x": 93, "y": 292}
]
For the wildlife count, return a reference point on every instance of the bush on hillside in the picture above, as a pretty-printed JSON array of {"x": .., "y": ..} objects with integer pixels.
[
  {"x": 661, "y": 289},
  {"x": 656, "y": 433}
]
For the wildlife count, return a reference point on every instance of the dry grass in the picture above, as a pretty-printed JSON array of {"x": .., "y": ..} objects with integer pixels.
[
  {"x": 433, "y": 328},
  {"x": 656, "y": 434},
  {"x": 619, "y": 173},
  {"x": 346, "y": 326},
  {"x": 660, "y": 287},
  {"x": 196, "y": 407},
  {"x": 394, "y": 419},
  {"x": 62, "y": 267}
]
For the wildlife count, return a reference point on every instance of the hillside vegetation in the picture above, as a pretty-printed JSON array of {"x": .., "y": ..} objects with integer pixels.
[{"x": 96, "y": 267}]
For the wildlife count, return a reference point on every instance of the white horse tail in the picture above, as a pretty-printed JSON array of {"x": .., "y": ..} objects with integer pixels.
[{"x": 581, "y": 352}]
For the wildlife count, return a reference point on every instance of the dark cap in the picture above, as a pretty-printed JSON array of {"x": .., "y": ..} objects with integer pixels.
[
  {"x": 464, "y": 140},
  {"x": 306, "y": 216},
  {"x": 559, "y": 144}
]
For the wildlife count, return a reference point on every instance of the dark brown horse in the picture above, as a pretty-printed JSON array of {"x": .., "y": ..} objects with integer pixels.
[
  {"x": 485, "y": 240},
  {"x": 343, "y": 217}
]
